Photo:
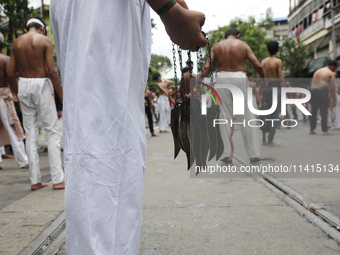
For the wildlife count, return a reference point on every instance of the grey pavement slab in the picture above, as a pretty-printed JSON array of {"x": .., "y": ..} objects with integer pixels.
[
  {"x": 22, "y": 221},
  {"x": 183, "y": 215},
  {"x": 24, "y": 214}
]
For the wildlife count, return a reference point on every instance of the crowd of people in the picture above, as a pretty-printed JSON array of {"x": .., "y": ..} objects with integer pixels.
[
  {"x": 230, "y": 56},
  {"x": 103, "y": 107}
]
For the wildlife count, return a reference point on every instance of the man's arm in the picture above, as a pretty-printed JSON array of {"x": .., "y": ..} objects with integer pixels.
[
  {"x": 254, "y": 61},
  {"x": 11, "y": 71},
  {"x": 167, "y": 81},
  {"x": 279, "y": 72},
  {"x": 51, "y": 71},
  {"x": 332, "y": 88},
  {"x": 207, "y": 65},
  {"x": 162, "y": 89},
  {"x": 182, "y": 25}
]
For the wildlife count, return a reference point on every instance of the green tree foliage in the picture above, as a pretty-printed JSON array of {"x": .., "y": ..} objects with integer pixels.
[
  {"x": 17, "y": 12},
  {"x": 295, "y": 58},
  {"x": 252, "y": 32},
  {"x": 158, "y": 64}
]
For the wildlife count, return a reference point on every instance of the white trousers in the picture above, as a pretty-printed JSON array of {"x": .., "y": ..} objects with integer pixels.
[
  {"x": 37, "y": 101},
  {"x": 17, "y": 146},
  {"x": 163, "y": 104},
  {"x": 250, "y": 135}
]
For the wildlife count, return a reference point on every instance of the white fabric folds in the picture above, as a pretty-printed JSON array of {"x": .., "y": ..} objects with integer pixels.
[
  {"x": 250, "y": 135},
  {"x": 37, "y": 101},
  {"x": 103, "y": 50}
]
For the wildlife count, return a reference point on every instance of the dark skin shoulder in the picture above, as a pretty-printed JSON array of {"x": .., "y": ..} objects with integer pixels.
[
  {"x": 32, "y": 54},
  {"x": 4, "y": 62}
]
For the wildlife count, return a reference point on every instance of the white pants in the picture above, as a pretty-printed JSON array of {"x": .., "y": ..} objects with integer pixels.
[
  {"x": 37, "y": 100},
  {"x": 250, "y": 134},
  {"x": 163, "y": 104},
  {"x": 17, "y": 146}
]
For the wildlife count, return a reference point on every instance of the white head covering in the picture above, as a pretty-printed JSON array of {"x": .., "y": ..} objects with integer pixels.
[{"x": 34, "y": 20}]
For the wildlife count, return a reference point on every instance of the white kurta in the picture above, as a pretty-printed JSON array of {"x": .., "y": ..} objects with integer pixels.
[{"x": 104, "y": 50}]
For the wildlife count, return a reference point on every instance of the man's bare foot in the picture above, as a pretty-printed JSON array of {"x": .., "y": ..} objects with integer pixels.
[
  {"x": 272, "y": 144},
  {"x": 227, "y": 160},
  {"x": 264, "y": 143},
  {"x": 7, "y": 156},
  {"x": 25, "y": 167},
  {"x": 312, "y": 132},
  {"x": 326, "y": 133},
  {"x": 59, "y": 186},
  {"x": 257, "y": 159},
  {"x": 154, "y": 134},
  {"x": 163, "y": 131},
  {"x": 39, "y": 185}
]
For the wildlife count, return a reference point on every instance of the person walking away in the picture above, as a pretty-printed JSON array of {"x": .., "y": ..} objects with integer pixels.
[
  {"x": 323, "y": 82},
  {"x": 272, "y": 67},
  {"x": 30, "y": 52},
  {"x": 230, "y": 55},
  {"x": 12, "y": 130}
]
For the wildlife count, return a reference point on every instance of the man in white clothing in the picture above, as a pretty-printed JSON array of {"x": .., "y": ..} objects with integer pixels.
[
  {"x": 8, "y": 116},
  {"x": 30, "y": 52},
  {"x": 104, "y": 125},
  {"x": 163, "y": 102}
]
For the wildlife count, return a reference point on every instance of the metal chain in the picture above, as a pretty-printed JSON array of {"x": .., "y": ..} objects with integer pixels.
[
  {"x": 199, "y": 60},
  {"x": 210, "y": 62},
  {"x": 182, "y": 74},
  {"x": 174, "y": 59},
  {"x": 189, "y": 59}
]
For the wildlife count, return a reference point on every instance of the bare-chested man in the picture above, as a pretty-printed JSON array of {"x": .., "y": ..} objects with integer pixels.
[
  {"x": 32, "y": 55},
  {"x": 9, "y": 116},
  {"x": 272, "y": 67},
  {"x": 163, "y": 102},
  {"x": 323, "y": 82},
  {"x": 230, "y": 56}
]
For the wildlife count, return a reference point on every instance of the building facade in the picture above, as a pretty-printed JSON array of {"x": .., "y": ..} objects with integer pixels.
[{"x": 310, "y": 21}]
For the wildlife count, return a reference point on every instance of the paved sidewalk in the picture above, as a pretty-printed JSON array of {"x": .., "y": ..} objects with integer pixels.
[
  {"x": 184, "y": 215},
  {"x": 22, "y": 221}
]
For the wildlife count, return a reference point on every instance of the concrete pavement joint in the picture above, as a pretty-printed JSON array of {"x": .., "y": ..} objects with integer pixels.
[{"x": 320, "y": 218}]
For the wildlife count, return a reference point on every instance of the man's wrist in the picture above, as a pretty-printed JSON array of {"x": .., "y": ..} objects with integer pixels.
[{"x": 166, "y": 7}]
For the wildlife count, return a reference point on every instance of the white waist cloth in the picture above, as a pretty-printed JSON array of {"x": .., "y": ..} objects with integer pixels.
[
  {"x": 18, "y": 146},
  {"x": 103, "y": 50},
  {"x": 37, "y": 101},
  {"x": 250, "y": 134}
]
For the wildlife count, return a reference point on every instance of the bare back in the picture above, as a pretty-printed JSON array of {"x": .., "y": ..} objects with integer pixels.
[
  {"x": 30, "y": 51},
  {"x": 231, "y": 55},
  {"x": 4, "y": 61},
  {"x": 272, "y": 67},
  {"x": 324, "y": 77}
]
